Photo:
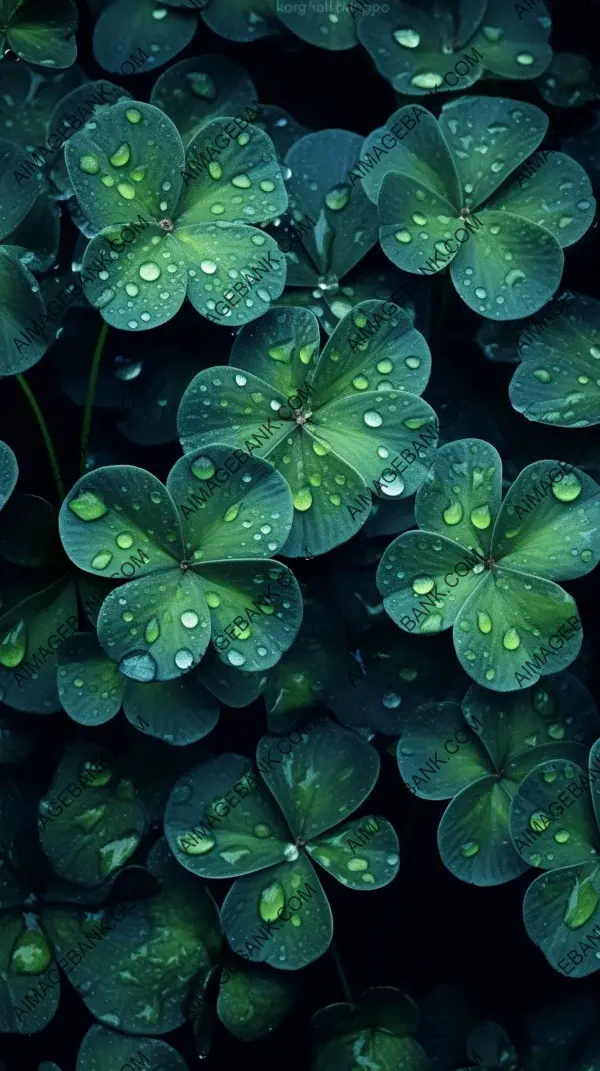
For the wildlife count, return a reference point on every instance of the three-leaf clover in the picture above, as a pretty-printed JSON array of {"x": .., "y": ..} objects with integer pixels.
[
  {"x": 334, "y": 422},
  {"x": 172, "y": 222},
  {"x": 488, "y": 568},
  {"x": 447, "y": 194},
  {"x": 478, "y": 756},
  {"x": 277, "y": 911},
  {"x": 201, "y": 559},
  {"x": 428, "y": 47}
]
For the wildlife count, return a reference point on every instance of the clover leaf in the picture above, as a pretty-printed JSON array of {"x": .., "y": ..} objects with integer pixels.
[
  {"x": 352, "y": 408},
  {"x": 38, "y": 35},
  {"x": 103, "y": 1050},
  {"x": 330, "y": 228},
  {"x": 479, "y": 755},
  {"x": 196, "y": 90},
  {"x": 554, "y": 826},
  {"x": 249, "y": 20},
  {"x": 130, "y": 39},
  {"x": 455, "y": 176},
  {"x": 557, "y": 381},
  {"x": 169, "y": 224},
  {"x": 196, "y": 575},
  {"x": 488, "y": 568},
  {"x": 379, "y": 1027},
  {"x": 431, "y": 47},
  {"x": 9, "y": 473},
  {"x": 287, "y": 821}
]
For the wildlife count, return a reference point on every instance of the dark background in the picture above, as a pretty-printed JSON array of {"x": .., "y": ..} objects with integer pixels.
[{"x": 426, "y": 928}]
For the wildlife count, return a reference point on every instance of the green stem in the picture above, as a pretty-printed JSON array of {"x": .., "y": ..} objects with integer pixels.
[
  {"x": 342, "y": 974},
  {"x": 89, "y": 398},
  {"x": 45, "y": 435}
]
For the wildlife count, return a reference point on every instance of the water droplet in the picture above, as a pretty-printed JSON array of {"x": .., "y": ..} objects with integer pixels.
[
  {"x": 271, "y": 902},
  {"x": 236, "y": 657},
  {"x": 241, "y": 181},
  {"x": 152, "y": 630},
  {"x": 583, "y": 902},
  {"x": 360, "y": 382},
  {"x": 453, "y": 514},
  {"x": 484, "y": 622},
  {"x": 102, "y": 559},
  {"x": 337, "y": 198},
  {"x": 427, "y": 80},
  {"x": 124, "y": 540},
  {"x": 213, "y": 599},
  {"x": 481, "y": 517},
  {"x": 203, "y": 468},
  {"x": 373, "y": 419},
  {"x": 302, "y": 499},
  {"x": 469, "y": 849},
  {"x": 539, "y": 822},
  {"x": 202, "y": 85},
  {"x": 184, "y": 658},
  {"x": 114, "y": 854},
  {"x": 407, "y": 38},
  {"x": 31, "y": 953},
  {"x": 200, "y": 845},
  {"x": 525, "y": 59},
  {"x": 133, "y": 115},
  {"x": 121, "y": 156},
  {"x": 356, "y": 863},
  {"x": 511, "y": 639},
  {"x": 87, "y": 506},
  {"x": 422, "y": 585},
  {"x": 513, "y": 277},
  {"x": 567, "y": 489},
  {"x": 267, "y": 186},
  {"x": 149, "y": 271},
  {"x": 13, "y": 645},
  {"x": 386, "y": 366},
  {"x": 89, "y": 163},
  {"x": 232, "y": 513},
  {"x": 432, "y": 623},
  {"x": 493, "y": 33},
  {"x": 189, "y": 619},
  {"x": 126, "y": 190},
  {"x": 261, "y": 830}
]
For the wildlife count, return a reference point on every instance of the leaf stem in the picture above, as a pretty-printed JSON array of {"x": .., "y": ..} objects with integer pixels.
[
  {"x": 45, "y": 434},
  {"x": 89, "y": 398},
  {"x": 342, "y": 974}
]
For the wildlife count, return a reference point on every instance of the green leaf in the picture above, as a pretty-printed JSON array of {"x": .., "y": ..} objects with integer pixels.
[
  {"x": 117, "y": 150},
  {"x": 24, "y": 336},
  {"x": 206, "y": 831},
  {"x": 418, "y": 579},
  {"x": 90, "y": 686},
  {"x": 322, "y": 780},
  {"x": 438, "y": 772},
  {"x": 198, "y": 89},
  {"x": 342, "y": 222},
  {"x": 312, "y": 25},
  {"x": 513, "y": 39},
  {"x": 255, "y": 900},
  {"x": 230, "y": 685},
  {"x": 244, "y": 513},
  {"x": 473, "y": 834},
  {"x": 241, "y": 20},
  {"x": 379, "y": 348},
  {"x": 18, "y": 189},
  {"x": 104, "y": 1050},
  {"x": 550, "y": 825},
  {"x": 84, "y": 100},
  {"x": 242, "y": 182},
  {"x": 405, "y": 208},
  {"x": 569, "y": 892},
  {"x": 44, "y": 41},
  {"x": 378, "y": 1028},
  {"x": 471, "y": 470},
  {"x": 9, "y": 473},
  {"x": 31, "y": 632},
  {"x": 556, "y": 382},
  {"x": 553, "y": 508},
  {"x": 36, "y": 239},
  {"x": 525, "y": 612},
  {"x": 423, "y": 157},
  {"x": 26, "y": 961},
  {"x": 481, "y": 273},
  {"x": 554, "y": 192},
  {"x": 180, "y": 712},
  {"x": 116, "y": 513},
  {"x": 154, "y": 293},
  {"x": 156, "y": 627},
  {"x": 128, "y": 28},
  {"x": 254, "y": 1002},
  {"x": 363, "y": 854},
  {"x": 161, "y": 943},
  {"x": 510, "y": 130},
  {"x": 97, "y": 830}
]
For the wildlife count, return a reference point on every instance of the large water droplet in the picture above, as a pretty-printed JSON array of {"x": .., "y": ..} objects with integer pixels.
[
  {"x": 121, "y": 156},
  {"x": 422, "y": 585},
  {"x": 481, "y": 517},
  {"x": 89, "y": 163},
  {"x": 102, "y": 559},
  {"x": 567, "y": 489},
  {"x": 203, "y": 468},
  {"x": 373, "y": 419},
  {"x": 149, "y": 271},
  {"x": 124, "y": 540},
  {"x": 583, "y": 902},
  {"x": 271, "y": 902},
  {"x": 189, "y": 619},
  {"x": 337, "y": 198},
  {"x": 302, "y": 499},
  {"x": 407, "y": 38},
  {"x": 31, "y": 953},
  {"x": 184, "y": 658},
  {"x": 484, "y": 622},
  {"x": 114, "y": 854},
  {"x": 511, "y": 639},
  {"x": 13, "y": 645},
  {"x": 87, "y": 506},
  {"x": 469, "y": 849},
  {"x": 453, "y": 514},
  {"x": 152, "y": 630}
]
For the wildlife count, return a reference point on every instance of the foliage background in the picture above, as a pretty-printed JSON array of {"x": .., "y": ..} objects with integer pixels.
[{"x": 425, "y": 928}]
